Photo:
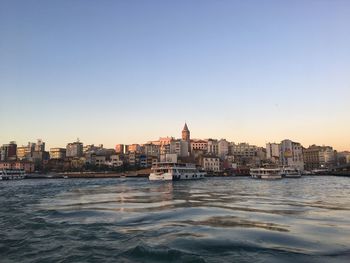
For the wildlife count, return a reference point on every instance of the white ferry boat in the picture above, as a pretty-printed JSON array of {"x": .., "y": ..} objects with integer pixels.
[
  {"x": 12, "y": 174},
  {"x": 266, "y": 173},
  {"x": 289, "y": 172},
  {"x": 166, "y": 171}
]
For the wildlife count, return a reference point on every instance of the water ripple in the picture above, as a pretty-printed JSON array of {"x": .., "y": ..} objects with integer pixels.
[{"x": 213, "y": 220}]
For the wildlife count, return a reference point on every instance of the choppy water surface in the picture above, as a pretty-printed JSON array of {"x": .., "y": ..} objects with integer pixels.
[{"x": 213, "y": 220}]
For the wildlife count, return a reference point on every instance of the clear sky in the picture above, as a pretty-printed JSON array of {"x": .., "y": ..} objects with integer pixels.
[{"x": 131, "y": 71}]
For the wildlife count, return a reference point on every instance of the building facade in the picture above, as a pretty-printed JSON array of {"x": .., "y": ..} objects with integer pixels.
[
  {"x": 8, "y": 152},
  {"x": 58, "y": 153},
  {"x": 186, "y": 136},
  {"x": 74, "y": 149},
  {"x": 223, "y": 148},
  {"x": 211, "y": 164},
  {"x": 291, "y": 154},
  {"x": 199, "y": 145},
  {"x": 273, "y": 152}
]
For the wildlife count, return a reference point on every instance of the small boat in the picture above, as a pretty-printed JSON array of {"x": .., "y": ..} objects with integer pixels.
[
  {"x": 12, "y": 174},
  {"x": 168, "y": 171},
  {"x": 289, "y": 172},
  {"x": 266, "y": 173}
]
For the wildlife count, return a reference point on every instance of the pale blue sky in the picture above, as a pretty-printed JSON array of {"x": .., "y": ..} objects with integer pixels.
[{"x": 130, "y": 71}]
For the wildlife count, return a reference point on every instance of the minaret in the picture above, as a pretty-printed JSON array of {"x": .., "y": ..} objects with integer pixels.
[{"x": 187, "y": 137}]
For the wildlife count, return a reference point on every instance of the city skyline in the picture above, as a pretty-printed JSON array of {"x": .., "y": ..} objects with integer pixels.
[
  {"x": 130, "y": 72},
  {"x": 178, "y": 136}
]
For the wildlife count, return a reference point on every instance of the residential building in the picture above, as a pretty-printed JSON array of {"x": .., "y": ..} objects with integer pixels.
[
  {"x": 26, "y": 152},
  {"x": 27, "y": 166},
  {"x": 291, "y": 154},
  {"x": 179, "y": 147},
  {"x": 115, "y": 160},
  {"x": 143, "y": 161},
  {"x": 133, "y": 158},
  {"x": 223, "y": 148},
  {"x": 201, "y": 145},
  {"x": 58, "y": 153},
  {"x": 38, "y": 157},
  {"x": 8, "y": 151},
  {"x": 327, "y": 157},
  {"x": 98, "y": 160},
  {"x": 39, "y": 146},
  {"x": 74, "y": 149},
  {"x": 243, "y": 150},
  {"x": 150, "y": 149},
  {"x": 211, "y": 163},
  {"x": 246, "y": 154},
  {"x": 273, "y": 152},
  {"x": 213, "y": 147},
  {"x": 169, "y": 157},
  {"x": 119, "y": 148},
  {"x": 133, "y": 148},
  {"x": 164, "y": 144},
  {"x": 316, "y": 157}
]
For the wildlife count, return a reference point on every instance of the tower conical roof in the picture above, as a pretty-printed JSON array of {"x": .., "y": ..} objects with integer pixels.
[{"x": 185, "y": 128}]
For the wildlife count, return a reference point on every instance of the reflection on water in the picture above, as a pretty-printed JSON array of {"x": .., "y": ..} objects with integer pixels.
[{"x": 212, "y": 220}]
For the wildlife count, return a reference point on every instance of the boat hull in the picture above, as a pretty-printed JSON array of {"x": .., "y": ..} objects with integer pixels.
[
  {"x": 271, "y": 177},
  {"x": 170, "y": 177}
]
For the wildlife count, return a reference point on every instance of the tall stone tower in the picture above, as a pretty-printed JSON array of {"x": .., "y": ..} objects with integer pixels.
[
  {"x": 186, "y": 133},
  {"x": 186, "y": 136}
]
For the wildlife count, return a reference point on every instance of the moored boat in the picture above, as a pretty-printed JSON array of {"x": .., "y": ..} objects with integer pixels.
[
  {"x": 289, "y": 172},
  {"x": 168, "y": 171},
  {"x": 266, "y": 173},
  {"x": 12, "y": 174}
]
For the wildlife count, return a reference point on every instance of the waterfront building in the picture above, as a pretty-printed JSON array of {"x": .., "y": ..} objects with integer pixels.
[
  {"x": 8, "y": 151},
  {"x": 213, "y": 147},
  {"x": 229, "y": 162},
  {"x": 201, "y": 145},
  {"x": 343, "y": 157},
  {"x": 115, "y": 161},
  {"x": 169, "y": 157},
  {"x": 98, "y": 160},
  {"x": 74, "y": 149},
  {"x": 143, "y": 161},
  {"x": 89, "y": 148},
  {"x": 75, "y": 163},
  {"x": 291, "y": 154},
  {"x": 163, "y": 143},
  {"x": 273, "y": 152},
  {"x": 211, "y": 163},
  {"x": 38, "y": 157},
  {"x": 27, "y": 166},
  {"x": 58, "y": 153},
  {"x": 316, "y": 157},
  {"x": 39, "y": 146},
  {"x": 223, "y": 148},
  {"x": 119, "y": 148},
  {"x": 327, "y": 157},
  {"x": 246, "y": 154},
  {"x": 150, "y": 149},
  {"x": 179, "y": 147},
  {"x": 23, "y": 153},
  {"x": 133, "y": 158},
  {"x": 243, "y": 150},
  {"x": 26, "y": 152},
  {"x": 133, "y": 148}
]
